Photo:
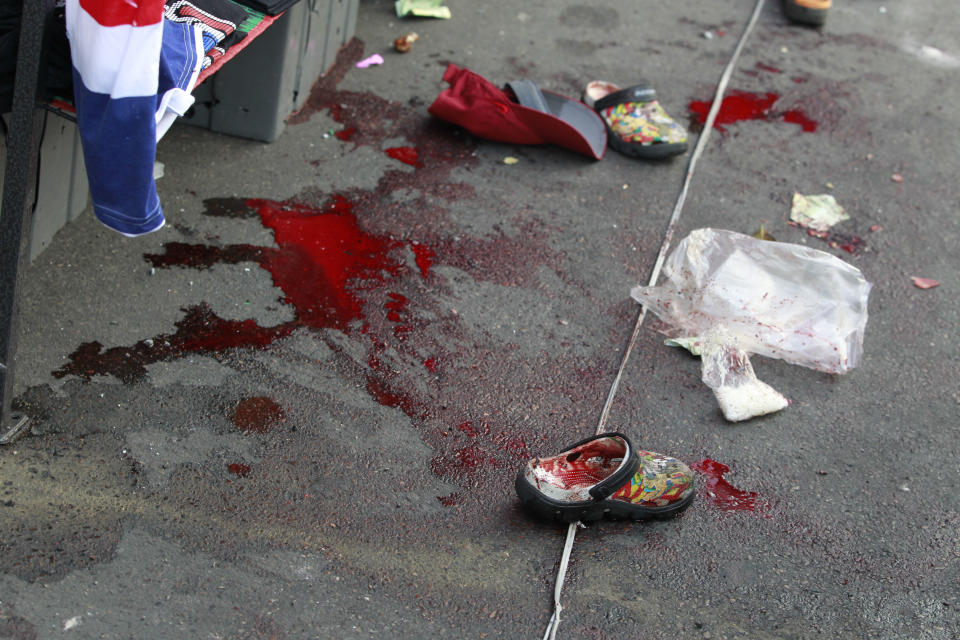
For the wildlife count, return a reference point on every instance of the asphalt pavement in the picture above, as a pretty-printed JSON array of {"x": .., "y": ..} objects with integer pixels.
[{"x": 297, "y": 411}]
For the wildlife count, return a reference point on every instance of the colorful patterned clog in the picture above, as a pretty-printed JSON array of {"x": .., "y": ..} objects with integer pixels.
[
  {"x": 605, "y": 476},
  {"x": 637, "y": 124}
]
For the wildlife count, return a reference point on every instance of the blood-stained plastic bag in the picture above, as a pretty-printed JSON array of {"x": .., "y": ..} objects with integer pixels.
[{"x": 731, "y": 295}]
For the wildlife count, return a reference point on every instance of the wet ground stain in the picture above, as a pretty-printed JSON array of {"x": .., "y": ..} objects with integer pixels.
[
  {"x": 199, "y": 331},
  {"x": 407, "y": 155},
  {"x": 239, "y": 469},
  {"x": 739, "y": 106},
  {"x": 257, "y": 415},
  {"x": 849, "y": 242},
  {"x": 342, "y": 266},
  {"x": 720, "y": 493},
  {"x": 383, "y": 318}
]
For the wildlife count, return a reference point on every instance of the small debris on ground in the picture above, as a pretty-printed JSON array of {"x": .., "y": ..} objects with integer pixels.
[
  {"x": 690, "y": 344},
  {"x": 817, "y": 212},
  {"x": 403, "y": 43},
  {"x": 763, "y": 234},
  {"x": 511, "y": 160},
  {"x": 368, "y": 62},
  {"x": 924, "y": 283},
  {"x": 422, "y": 9}
]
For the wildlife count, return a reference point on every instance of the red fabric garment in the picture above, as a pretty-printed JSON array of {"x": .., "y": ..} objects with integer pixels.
[
  {"x": 478, "y": 106},
  {"x": 482, "y": 109}
]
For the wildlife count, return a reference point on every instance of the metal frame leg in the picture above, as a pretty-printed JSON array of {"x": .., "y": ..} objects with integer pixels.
[{"x": 16, "y": 210}]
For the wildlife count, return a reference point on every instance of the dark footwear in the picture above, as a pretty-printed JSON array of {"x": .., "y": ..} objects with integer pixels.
[
  {"x": 605, "y": 476},
  {"x": 812, "y": 12},
  {"x": 528, "y": 116},
  {"x": 637, "y": 124},
  {"x": 561, "y": 120}
]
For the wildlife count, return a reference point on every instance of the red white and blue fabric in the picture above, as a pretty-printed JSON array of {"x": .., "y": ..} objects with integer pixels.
[{"x": 133, "y": 74}]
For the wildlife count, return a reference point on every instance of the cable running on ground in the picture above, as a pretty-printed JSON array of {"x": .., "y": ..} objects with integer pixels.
[{"x": 551, "y": 631}]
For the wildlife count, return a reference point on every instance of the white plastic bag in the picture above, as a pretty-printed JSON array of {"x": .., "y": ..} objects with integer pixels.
[{"x": 734, "y": 295}]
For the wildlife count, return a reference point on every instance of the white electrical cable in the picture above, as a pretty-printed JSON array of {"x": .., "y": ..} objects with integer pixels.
[{"x": 551, "y": 632}]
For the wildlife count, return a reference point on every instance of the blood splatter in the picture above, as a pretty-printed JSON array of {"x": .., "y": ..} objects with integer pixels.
[
  {"x": 797, "y": 116},
  {"x": 463, "y": 462},
  {"x": 424, "y": 256},
  {"x": 257, "y": 414},
  {"x": 346, "y": 134},
  {"x": 380, "y": 391},
  {"x": 468, "y": 428},
  {"x": 738, "y": 106},
  {"x": 396, "y": 307},
  {"x": 722, "y": 494},
  {"x": 513, "y": 445},
  {"x": 201, "y": 256},
  {"x": 239, "y": 469},
  {"x": 851, "y": 243},
  {"x": 451, "y": 500},
  {"x": 200, "y": 331},
  {"x": 338, "y": 267},
  {"x": 323, "y": 261},
  {"x": 407, "y": 155},
  {"x": 325, "y": 258}
]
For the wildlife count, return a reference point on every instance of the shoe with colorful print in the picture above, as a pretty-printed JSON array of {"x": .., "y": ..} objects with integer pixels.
[
  {"x": 812, "y": 12},
  {"x": 604, "y": 476},
  {"x": 637, "y": 124}
]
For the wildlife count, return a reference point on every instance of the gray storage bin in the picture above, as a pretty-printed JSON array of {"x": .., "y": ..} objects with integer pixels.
[{"x": 252, "y": 94}]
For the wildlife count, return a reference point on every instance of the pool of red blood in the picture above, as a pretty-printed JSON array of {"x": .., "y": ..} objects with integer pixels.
[
  {"x": 720, "y": 492},
  {"x": 361, "y": 262},
  {"x": 739, "y": 106},
  {"x": 407, "y": 155}
]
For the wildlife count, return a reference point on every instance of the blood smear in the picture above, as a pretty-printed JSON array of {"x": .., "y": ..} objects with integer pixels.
[{"x": 723, "y": 494}]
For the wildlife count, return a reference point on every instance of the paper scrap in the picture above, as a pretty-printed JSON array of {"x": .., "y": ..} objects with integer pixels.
[
  {"x": 511, "y": 160},
  {"x": 690, "y": 344},
  {"x": 422, "y": 9},
  {"x": 763, "y": 234},
  {"x": 818, "y": 212},
  {"x": 372, "y": 60},
  {"x": 924, "y": 283}
]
